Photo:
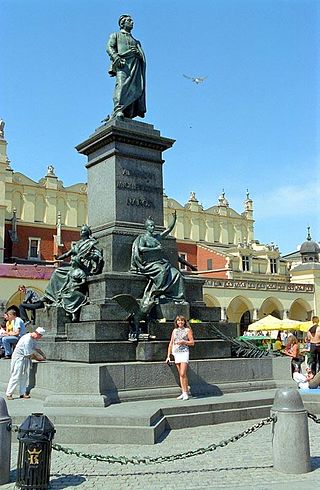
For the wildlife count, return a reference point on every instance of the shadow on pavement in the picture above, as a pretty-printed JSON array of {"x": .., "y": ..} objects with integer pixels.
[
  {"x": 65, "y": 481},
  {"x": 315, "y": 462},
  {"x": 180, "y": 472}
]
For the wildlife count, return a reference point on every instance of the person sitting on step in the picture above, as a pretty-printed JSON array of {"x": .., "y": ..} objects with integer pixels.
[{"x": 10, "y": 339}]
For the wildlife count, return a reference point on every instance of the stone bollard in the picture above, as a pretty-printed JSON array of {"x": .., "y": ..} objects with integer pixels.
[
  {"x": 290, "y": 434},
  {"x": 5, "y": 442}
]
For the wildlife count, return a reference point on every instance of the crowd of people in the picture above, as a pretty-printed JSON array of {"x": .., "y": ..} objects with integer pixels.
[
  {"x": 304, "y": 353},
  {"x": 305, "y": 356}
]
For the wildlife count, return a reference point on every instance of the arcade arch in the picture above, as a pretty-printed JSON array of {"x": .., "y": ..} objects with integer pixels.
[
  {"x": 271, "y": 306},
  {"x": 300, "y": 310},
  {"x": 211, "y": 301},
  {"x": 240, "y": 310}
]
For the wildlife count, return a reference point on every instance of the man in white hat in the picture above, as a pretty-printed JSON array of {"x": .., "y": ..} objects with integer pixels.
[{"x": 26, "y": 347}]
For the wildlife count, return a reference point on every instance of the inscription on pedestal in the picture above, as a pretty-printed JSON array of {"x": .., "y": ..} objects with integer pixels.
[{"x": 140, "y": 188}]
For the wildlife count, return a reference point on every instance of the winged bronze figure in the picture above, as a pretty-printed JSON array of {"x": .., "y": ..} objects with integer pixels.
[{"x": 138, "y": 310}]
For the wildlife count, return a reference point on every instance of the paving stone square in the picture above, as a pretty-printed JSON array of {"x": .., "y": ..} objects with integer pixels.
[{"x": 246, "y": 463}]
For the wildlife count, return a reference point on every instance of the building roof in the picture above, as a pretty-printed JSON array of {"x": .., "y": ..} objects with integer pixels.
[
  {"x": 309, "y": 246},
  {"x": 306, "y": 266}
]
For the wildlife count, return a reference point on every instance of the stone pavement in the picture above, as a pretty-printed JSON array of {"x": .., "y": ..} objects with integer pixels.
[{"x": 246, "y": 463}]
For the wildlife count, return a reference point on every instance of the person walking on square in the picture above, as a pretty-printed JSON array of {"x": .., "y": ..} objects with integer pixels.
[
  {"x": 21, "y": 362},
  {"x": 181, "y": 340},
  {"x": 12, "y": 337}
]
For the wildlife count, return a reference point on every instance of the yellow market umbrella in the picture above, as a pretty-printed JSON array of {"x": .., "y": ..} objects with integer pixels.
[
  {"x": 304, "y": 326},
  {"x": 270, "y": 322},
  {"x": 287, "y": 324}
]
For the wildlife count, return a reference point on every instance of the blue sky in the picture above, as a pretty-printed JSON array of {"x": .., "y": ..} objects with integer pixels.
[{"x": 252, "y": 124}]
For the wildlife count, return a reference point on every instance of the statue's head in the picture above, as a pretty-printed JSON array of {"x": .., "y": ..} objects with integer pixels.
[
  {"x": 85, "y": 231},
  {"x": 125, "y": 19},
  {"x": 149, "y": 224}
]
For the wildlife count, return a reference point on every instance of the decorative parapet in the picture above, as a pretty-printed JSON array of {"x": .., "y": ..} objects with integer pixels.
[{"x": 259, "y": 285}]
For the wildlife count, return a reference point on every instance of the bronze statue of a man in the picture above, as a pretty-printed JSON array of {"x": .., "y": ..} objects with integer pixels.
[{"x": 128, "y": 65}]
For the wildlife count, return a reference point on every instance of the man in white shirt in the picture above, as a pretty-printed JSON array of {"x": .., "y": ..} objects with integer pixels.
[{"x": 21, "y": 360}]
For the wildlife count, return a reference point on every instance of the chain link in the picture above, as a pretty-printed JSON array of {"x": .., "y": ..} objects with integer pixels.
[
  {"x": 313, "y": 417},
  {"x": 163, "y": 459}
]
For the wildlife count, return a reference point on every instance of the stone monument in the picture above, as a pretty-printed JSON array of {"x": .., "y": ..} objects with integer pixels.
[{"x": 125, "y": 194}]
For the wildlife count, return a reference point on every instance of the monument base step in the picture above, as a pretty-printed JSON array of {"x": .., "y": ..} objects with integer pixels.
[
  {"x": 104, "y": 384},
  {"x": 122, "y": 351},
  {"x": 135, "y": 402},
  {"x": 148, "y": 422},
  {"x": 145, "y": 422}
]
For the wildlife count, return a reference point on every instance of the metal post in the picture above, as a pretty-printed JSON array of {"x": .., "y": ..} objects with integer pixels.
[
  {"x": 5, "y": 442},
  {"x": 290, "y": 434}
]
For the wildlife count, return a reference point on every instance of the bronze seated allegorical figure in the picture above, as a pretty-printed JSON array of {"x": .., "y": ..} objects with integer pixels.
[{"x": 67, "y": 285}]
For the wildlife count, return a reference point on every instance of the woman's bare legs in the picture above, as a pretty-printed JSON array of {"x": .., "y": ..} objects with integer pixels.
[{"x": 182, "y": 370}]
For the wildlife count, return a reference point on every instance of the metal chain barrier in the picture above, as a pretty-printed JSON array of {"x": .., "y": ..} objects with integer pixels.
[
  {"x": 123, "y": 460},
  {"x": 313, "y": 417}
]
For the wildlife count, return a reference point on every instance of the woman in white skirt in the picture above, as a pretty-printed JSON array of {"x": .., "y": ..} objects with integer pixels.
[{"x": 181, "y": 340}]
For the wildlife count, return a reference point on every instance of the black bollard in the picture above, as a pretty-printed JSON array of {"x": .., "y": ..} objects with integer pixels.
[{"x": 35, "y": 436}]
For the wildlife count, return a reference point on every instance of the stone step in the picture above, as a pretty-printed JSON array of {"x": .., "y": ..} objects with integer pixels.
[
  {"x": 231, "y": 414},
  {"x": 79, "y": 384},
  {"x": 149, "y": 414},
  {"x": 98, "y": 428},
  {"x": 118, "y": 330},
  {"x": 97, "y": 331}
]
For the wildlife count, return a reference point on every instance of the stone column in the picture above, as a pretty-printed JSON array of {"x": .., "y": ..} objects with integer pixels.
[
  {"x": 223, "y": 317},
  {"x": 3, "y": 202},
  {"x": 255, "y": 314}
]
